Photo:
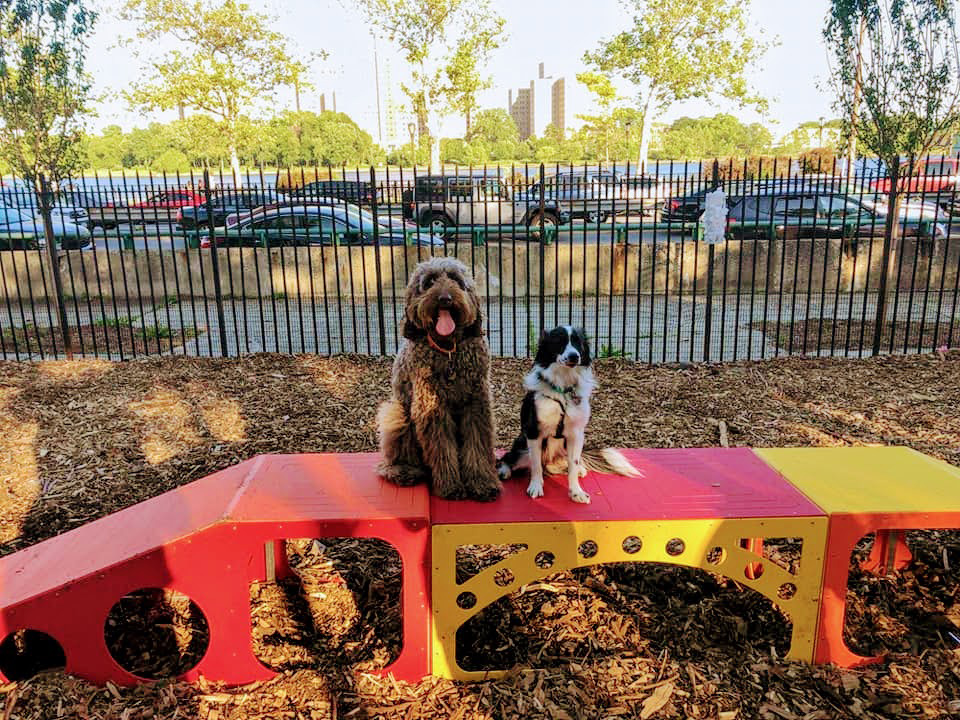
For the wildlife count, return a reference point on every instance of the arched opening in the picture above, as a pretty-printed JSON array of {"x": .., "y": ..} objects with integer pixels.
[
  {"x": 24, "y": 653},
  {"x": 156, "y": 634},
  {"x": 616, "y": 608},
  {"x": 909, "y": 610},
  {"x": 341, "y": 605}
]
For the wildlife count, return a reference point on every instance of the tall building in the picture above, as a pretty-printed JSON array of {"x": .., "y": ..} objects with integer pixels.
[
  {"x": 522, "y": 110},
  {"x": 558, "y": 105},
  {"x": 541, "y": 93}
]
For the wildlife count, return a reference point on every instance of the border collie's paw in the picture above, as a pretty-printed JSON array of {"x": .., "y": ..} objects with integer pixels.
[
  {"x": 503, "y": 471},
  {"x": 535, "y": 488},
  {"x": 579, "y": 495}
]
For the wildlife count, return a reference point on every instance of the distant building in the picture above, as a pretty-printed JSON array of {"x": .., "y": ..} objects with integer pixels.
[
  {"x": 558, "y": 105},
  {"x": 523, "y": 108}
]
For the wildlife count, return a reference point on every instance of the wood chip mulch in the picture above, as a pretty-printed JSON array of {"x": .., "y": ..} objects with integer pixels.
[
  {"x": 81, "y": 439},
  {"x": 854, "y": 336}
]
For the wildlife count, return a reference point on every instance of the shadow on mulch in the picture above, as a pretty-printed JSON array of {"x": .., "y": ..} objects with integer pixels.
[{"x": 836, "y": 336}]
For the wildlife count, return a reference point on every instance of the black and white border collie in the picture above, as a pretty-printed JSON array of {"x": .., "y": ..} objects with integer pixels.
[{"x": 554, "y": 416}]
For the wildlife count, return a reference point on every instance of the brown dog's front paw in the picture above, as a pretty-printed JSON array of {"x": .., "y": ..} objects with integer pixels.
[
  {"x": 403, "y": 475},
  {"x": 483, "y": 485}
]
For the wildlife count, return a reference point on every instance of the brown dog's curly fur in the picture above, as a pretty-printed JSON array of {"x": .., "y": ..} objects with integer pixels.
[{"x": 438, "y": 426}]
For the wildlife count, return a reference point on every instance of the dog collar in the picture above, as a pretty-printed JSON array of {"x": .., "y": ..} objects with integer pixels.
[
  {"x": 449, "y": 353},
  {"x": 568, "y": 391}
]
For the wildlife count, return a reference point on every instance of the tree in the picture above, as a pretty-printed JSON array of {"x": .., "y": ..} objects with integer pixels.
[
  {"x": 677, "y": 50},
  {"x": 227, "y": 59},
  {"x": 444, "y": 42},
  {"x": 712, "y": 137},
  {"x": 905, "y": 54},
  {"x": 43, "y": 86}
]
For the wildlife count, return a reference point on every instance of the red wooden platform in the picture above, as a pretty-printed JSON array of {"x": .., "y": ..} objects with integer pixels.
[
  {"x": 208, "y": 540},
  {"x": 678, "y": 484}
]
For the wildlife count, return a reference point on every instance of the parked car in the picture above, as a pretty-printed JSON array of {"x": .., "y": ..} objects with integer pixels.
[
  {"x": 170, "y": 200},
  {"x": 61, "y": 213},
  {"x": 597, "y": 195},
  {"x": 20, "y": 230},
  {"x": 225, "y": 203},
  {"x": 830, "y": 215},
  {"x": 358, "y": 192},
  {"x": 444, "y": 202},
  {"x": 299, "y": 225}
]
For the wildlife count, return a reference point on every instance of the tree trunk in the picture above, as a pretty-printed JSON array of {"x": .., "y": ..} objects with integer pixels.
[
  {"x": 235, "y": 165},
  {"x": 468, "y": 123},
  {"x": 646, "y": 125},
  {"x": 890, "y": 233},
  {"x": 854, "y": 111}
]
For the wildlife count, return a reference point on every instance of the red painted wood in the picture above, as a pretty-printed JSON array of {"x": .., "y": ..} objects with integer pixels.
[
  {"x": 844, "y": 532},
  {"x": 889, "y": 553},
  {"x": 208, "y": 541},
  {"x": 678, "y": 484}
]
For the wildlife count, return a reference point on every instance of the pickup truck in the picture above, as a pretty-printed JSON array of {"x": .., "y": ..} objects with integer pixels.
[{"x": 932, "y": 176}]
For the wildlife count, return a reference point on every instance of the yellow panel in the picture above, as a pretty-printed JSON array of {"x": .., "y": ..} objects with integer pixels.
[
  {"x": 868, "y": 479},
  {"x": 563, "y": 540}
]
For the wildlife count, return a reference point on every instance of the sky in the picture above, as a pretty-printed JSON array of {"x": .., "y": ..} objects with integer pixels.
[{"x": 792, "y": 75}]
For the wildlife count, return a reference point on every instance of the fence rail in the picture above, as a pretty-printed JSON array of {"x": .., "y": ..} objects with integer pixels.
[{"x": 315, "y": 260}]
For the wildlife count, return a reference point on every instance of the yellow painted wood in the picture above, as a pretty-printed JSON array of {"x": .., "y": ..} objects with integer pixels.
[
  {"x": 563, "y": 541},
  {"x": 868, "y": 479}
]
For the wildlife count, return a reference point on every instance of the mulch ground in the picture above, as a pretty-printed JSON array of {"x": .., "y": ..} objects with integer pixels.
[
  {"x": 113, "y": 337},
  {"x": 836, "y": 336},
  {"x": 81, "y": 439}
]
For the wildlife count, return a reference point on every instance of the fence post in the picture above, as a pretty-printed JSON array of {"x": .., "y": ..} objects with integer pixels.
[
  {"x": 218, "y": 294},
  {"x": 542, "y": 246},
  {"x": 381, "y": 326},
  {"x": 52, "y": 255},
  {"x": 711, "y": 251}
]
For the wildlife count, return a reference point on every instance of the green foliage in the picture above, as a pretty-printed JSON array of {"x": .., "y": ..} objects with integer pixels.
[
  {"x": 677, "y": 50},
  {"x": 226, "y": 60},
  {"x": 609, "y": 351},
  {"x": 902, "y": 54},
  {"x": 288, "y": 140},
  {"x": 818, "y": 160},
  {"x": 445, "y": 42},
  {"x": 711, "y": 137},
  {"x": 43, "y": 86},
  {"x": 756, "y": 167}
]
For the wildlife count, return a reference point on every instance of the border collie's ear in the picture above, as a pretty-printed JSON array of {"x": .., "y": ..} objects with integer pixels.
[
  {"x": 542, "y": 352},
  {"x": 585, "y": 357}
]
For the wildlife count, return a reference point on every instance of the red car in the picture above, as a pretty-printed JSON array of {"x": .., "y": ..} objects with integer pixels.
[{"x": 171, "y": 199}]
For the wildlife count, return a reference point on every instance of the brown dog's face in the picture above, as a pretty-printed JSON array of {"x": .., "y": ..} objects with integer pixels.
[{"x": 441, "y": 300}]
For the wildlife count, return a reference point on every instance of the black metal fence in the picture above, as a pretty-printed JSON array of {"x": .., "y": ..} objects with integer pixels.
[{"x": 315, "y": 260}]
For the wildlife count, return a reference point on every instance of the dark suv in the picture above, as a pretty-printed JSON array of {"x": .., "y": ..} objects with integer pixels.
[
  {"x": 224, "y": 203},
  {"x": 357, "y": 192},
  {"x": 443, "y": 202}
]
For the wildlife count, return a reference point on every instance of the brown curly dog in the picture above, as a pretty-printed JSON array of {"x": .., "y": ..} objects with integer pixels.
[{"x": 437, "y": 425}]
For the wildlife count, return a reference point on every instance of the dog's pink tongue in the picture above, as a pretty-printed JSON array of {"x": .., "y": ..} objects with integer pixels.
[{"x": 445, "y": 324}]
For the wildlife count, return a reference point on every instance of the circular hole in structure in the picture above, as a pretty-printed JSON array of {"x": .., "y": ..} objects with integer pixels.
[
  {"x": 24, "y": 653},
  {"x": 466, "y": 600},
  {"x": 631, "y": 545},
  {"x": 716, "y": 555},
  {"x": 675, "y": 547},
  {"x": 786, "y": 591},
  {"x": 753, "y": 570},
  {"x": 545, "y": 559},
  {"x": 588, "y": 549},
  {"x": 503, "y": 577},
  {"x": 156, "y": 634}
]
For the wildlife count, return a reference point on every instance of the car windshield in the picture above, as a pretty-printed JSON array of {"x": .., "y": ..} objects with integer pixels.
[{"x": 362, "y": 219}]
